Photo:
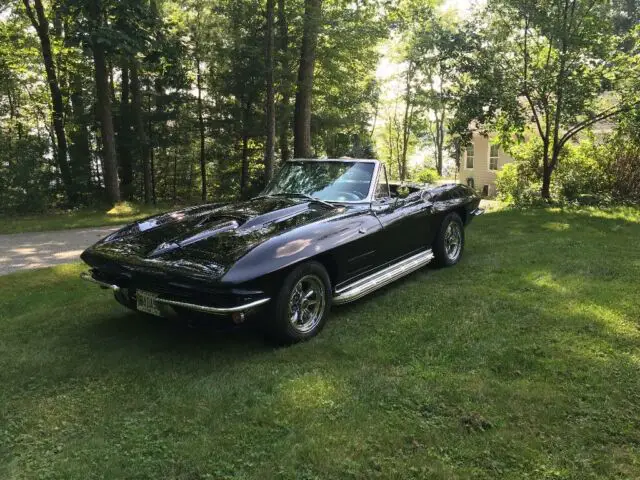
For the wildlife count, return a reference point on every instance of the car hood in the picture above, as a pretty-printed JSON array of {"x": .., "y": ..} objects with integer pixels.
[{"x": 205, "y": 240}]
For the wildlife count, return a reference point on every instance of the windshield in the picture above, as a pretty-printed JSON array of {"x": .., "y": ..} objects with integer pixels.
[{"x": 329, "y": 181}]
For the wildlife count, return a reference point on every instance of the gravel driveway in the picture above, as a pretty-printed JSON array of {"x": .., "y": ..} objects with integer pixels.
[{"x": 21, "y": 251}]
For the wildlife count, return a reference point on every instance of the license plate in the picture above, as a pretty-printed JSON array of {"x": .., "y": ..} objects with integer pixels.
[{"x": 146, "y": 302}]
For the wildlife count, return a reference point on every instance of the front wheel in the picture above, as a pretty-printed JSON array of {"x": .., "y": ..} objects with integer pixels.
[
  {"x": 449, "y": 243},
  {"x": 302, "y": 305}
]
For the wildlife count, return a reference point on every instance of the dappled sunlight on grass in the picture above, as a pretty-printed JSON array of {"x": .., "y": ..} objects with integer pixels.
[
  {"x": 83, "y": 218},
  {"x": 21, "y": 282},
  {"x": 613, "y": 322},
  {"x": 310, "y": 392},
  {"x": 123, "y": 209},
  {"x": 556, "y": 226},
  {"x": 627, "y": 214},
  {"x": 547, "y": 280}
]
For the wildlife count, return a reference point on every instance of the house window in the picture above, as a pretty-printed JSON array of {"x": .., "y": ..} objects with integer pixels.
[
  {"x": 470, "y": 155},
  {"x": 493, "y": 157}
]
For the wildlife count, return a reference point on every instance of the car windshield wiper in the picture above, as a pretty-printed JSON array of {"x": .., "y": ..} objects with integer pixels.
[{"x": 303, "y": 195}]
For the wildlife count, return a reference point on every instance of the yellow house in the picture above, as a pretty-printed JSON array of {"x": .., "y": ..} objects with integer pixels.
[{"x": 480, "y": 162}]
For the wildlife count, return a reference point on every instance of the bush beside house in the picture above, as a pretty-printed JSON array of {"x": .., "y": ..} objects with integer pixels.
[{"x": 590, "y": 172}]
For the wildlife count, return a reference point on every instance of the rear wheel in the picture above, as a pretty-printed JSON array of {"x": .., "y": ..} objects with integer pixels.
[
  {"x": 449, "y": 243},
  {"x": 302, "y": 305}
]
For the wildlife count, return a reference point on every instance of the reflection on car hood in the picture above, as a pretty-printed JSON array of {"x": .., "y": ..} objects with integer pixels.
[{"x": 206, "y": 239}]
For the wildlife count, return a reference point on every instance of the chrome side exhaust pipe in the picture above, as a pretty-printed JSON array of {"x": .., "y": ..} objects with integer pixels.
[{"x": 377, "y": 280}]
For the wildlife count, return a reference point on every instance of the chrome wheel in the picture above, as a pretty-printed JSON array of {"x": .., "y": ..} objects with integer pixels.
[
  {"x": 453, "y": 241},
  {"x": 307, "y": 303}
]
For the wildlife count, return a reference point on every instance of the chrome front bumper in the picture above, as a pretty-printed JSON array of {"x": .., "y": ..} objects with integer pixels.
[
  {"x": 186, "y": 305},
  {"x": 213, "y": 310}
]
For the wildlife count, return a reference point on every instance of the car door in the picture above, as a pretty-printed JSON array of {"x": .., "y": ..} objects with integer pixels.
[{"x": 405, "y": 222}]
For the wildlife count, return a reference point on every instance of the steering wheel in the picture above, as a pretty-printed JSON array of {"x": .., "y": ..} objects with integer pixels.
[{"x": 351, "y": 196}]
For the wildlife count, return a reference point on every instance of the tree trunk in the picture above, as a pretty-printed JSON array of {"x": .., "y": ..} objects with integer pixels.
[
  {"x": 203, "y": 163},
  {"x": 103, "y": 92},
  {"x": 175, "y": 177},
  {"x": 106, "y": 124},
  {"x": 159, "y": 132},
  {"x": 41, "y": 24},
  {"x": 79, "y": 149},
  {"x": 439, "y": 142},
  {"x": 546, "y": 184},
  {"x": 545, "y": 191},
  {"x": 124, "y": 136},
  {"x": 285, "y": 82},
  {"x": 407, "y": 121},
  {"x": 143, "y": 140},
  {"x": 153, "y": 173},
  {"x": 302, "y": 114},
  {"x": 270, "y": 110},
  {"x": 244, "y": 173}
]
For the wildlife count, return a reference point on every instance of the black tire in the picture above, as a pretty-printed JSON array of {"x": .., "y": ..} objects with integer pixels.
[
  {"x": 288, "y": 326},
  {"x": 447, "y": 252}
]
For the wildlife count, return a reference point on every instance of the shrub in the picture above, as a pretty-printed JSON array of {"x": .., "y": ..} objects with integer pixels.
[
  {"x": 518, "y": 183},
  {"x": 426, "y": 175},
  {"x": 581, "y": 175},
  {"x": 516, "y": 188},
  {"x": 27, "y": 178},
  {"x": 509, "y": 183},
  {"x": 624, "y": 170},
  {"x": 624, "y": 159}
]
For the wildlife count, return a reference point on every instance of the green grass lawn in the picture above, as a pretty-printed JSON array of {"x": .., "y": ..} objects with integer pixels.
[
  {"x": 523, "y": 361},
  {"x": 81, "y": 218}
]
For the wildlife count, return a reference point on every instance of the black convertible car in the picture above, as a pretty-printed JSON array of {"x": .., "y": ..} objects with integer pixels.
[{"x": 324, "y": 232}]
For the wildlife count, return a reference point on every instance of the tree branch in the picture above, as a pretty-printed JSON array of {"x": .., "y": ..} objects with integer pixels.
[
  {"x": 526, "y": 78},
  {"x": 610, "y": 112},
  {"x": 31, "y": 15}
]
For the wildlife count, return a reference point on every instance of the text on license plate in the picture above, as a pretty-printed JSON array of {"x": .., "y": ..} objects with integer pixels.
[{"x": 146, "y": 302}]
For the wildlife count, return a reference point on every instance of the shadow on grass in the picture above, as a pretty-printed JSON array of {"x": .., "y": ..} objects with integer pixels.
[{"x": 146, "y": 336}]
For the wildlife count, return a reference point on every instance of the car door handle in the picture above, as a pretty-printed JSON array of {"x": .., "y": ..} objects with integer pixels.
[{"x": 362, "y": 230}]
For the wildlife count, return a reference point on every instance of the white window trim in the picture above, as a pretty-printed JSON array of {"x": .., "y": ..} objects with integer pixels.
[
  {"x": 489, "y": 159},
  {"x": 466, "y": 154}
]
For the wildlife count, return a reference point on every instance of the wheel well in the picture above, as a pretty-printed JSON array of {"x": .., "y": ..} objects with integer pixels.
[
  {"x": 462, "y": 212},
  {"x": 329, "y": 263},
  {"x": 326, "y": 260}
]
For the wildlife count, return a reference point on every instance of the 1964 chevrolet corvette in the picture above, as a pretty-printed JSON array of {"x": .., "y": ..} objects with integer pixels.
[{"x": 323, "y": 232}]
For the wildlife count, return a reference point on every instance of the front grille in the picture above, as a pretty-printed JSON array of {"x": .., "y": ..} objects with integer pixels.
[{"x": 174, "y": 287}]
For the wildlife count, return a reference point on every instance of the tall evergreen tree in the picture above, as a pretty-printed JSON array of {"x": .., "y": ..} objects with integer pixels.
[{"x": 306, "y": 69}]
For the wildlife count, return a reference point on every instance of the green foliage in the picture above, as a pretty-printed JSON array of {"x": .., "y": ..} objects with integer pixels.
[
  {"x": 169, "y": 41},
  {"x": 346, "y": 92},
  {"x": 508, "y": 183},
  {"x": 426, "y": 175},
  {"x": 556, "y": 65},
  {"x": 583, "y": 175},
  {"x": 24, "y": 178},
  {"x": 623, "y": 152},
  {"x": 518, "y": 189}
]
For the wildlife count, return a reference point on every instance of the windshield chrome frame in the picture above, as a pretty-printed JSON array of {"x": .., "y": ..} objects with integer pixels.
[{"x": 372, "y": 186}]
